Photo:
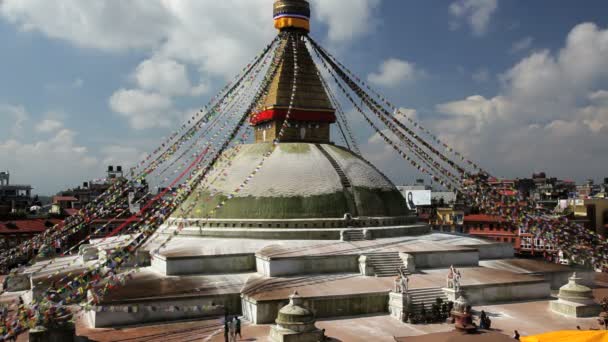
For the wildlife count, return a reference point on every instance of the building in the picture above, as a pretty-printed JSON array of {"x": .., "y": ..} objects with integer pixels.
[
  {"x": 13, "y": 197},
  {"x": 604, "y": 188},
  {"x": 63, "y": 205},
  {"x": 13, "y": 233},
  {"x": 497, "y": 229},
  {"x": 492, "y": 227},
  {"x": 448, "y": 219},
  {"x": 597, "y": 215},
  {"x": 82, "y": 195},
  {"x": 591, "y": 213},
  {"x": 546, "y": 191}
]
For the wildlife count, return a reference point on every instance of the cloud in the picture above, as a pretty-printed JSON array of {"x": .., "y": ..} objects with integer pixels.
[
  {"x": 120, "y": 155},
  {"x": 48, "y": 126},
  {"x": 63, "y": 160},
  {"x": 600, "y": 97},
  {"x": 15, "y": 117},
  {"x": 482, "y": 75},
  {"x": 213, "y": 39},
  {"x": 106, "y": 25},
  {"x": 551, "y": 113},
  {"x": 522, "y": 45},
  {"x": 189, "y": 31},
  {"x": 393, "y": 72},
  {"x": 346, "y": 20},
  {"x": 167, "y": 77},
  {"x": 477, "y": 13},
  {"x": 143, "y": 109}
]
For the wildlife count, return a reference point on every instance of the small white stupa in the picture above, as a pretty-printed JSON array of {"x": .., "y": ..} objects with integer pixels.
[
  {"x": 575, "y": 300},
  {"x": 295, "y": 323}
]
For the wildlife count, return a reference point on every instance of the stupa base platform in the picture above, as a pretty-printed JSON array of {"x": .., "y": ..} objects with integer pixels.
[
  {"x": 192, "y": 278},
  {"x": 186, "y": 256},
  {"x": 557, "y": 275},
  {"x": 308, "y": 231},
  {"x": 573, "y": 309},
  {"x": 151, "y": 297},
  {"x": 353, "y": 294}
]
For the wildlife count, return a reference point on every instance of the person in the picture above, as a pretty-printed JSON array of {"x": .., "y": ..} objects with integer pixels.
[
  {"x": 516, "y": 335},
  {"x": 232, "y": 330},
  {"x": 238, "y": 328},
  {"x": 226, "y": 329},
  {"x": 482, "y": 320}
]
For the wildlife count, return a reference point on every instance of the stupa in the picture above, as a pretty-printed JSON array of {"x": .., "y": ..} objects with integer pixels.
[
  {"x": 307, "y": 177},
  {"x": 317, "y": 218},
  {"x": 575, "y": 300},
  {"x": 295, "y": 323}
]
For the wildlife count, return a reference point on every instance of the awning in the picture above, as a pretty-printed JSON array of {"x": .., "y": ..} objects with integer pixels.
[{"x": 569, "y": 336}]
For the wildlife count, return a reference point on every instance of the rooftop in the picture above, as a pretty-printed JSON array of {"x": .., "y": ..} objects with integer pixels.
[
  {"x": 482, "y": 218},
  {"x": 26, "y": 226},
  {"x": 64, "y": 199}
]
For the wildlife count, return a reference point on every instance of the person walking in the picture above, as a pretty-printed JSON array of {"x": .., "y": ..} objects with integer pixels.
[
  {"x": 232, "y": 330},
  {"x": 226, "y": 330},
  {"x": 482, "y": 320},
  {"x": 516, "y": 335},
  {"x": 238, "y": 327}
]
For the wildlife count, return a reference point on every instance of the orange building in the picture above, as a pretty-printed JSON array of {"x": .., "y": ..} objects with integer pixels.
[{"x": 492, "y": 227}]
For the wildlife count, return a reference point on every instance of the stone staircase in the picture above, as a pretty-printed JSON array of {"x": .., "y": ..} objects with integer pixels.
[
  {"x": 343, "y": 179},
  {"x": 353, "y": 235},
  {"x": 386, "y": 264},
  {"x": 346, "y": 184},
  {"x": 426, "y": 296}
]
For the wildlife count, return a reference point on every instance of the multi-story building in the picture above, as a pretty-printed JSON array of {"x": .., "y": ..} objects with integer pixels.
[
  {"x": 14, "y": 232},
  {"x": 491, "y": 227},
  {"x": 544, "y": 190},
  {"x": 13, "y": 197},
  {"x": 448, "y": 219},
  {"x": 500, "y": 230},
  {"x": 597, "y": 215},
  {"x": 92, "y": 189}
]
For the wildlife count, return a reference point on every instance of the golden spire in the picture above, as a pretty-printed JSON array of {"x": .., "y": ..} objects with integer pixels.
[{"x": 292, "y": 14}]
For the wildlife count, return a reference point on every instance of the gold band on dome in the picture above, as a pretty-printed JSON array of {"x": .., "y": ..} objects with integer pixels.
[{"x": 287, "y": 22}]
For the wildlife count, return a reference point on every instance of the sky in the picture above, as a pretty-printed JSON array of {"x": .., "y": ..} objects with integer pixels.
[{"x": 518, "y": 86}]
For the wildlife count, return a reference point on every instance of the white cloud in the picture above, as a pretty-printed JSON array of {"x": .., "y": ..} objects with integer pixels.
[
  {"x": 600, "y": 97},
  {"x": 120, "y": 155},
  {"x": 56, "y": 160},
  {"x": 551, "y": 114},
  {"x": 477, "y": 13},
  {"x": 107, "y": 25},
  {"x": 143, "y": 109},
  {"x": 347, "y": 20},
  {"x": 48, "y": 126},
  {"x": 14, "y": 116},
  {"x": 481, "y": 75},
  {"x": 393, "y": 72},
  {"x": 167, "y": 77},
  {"x": 189, "y": 31},
  {"x": 212, "y": 38},
  {"x": 63, "y": 160},
  {"x": 522, "y": 44},
  {"x": 409, "y": 112}
]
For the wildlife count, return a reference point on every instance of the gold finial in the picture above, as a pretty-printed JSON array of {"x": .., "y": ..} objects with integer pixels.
[{"x": 292, "y": 14}]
